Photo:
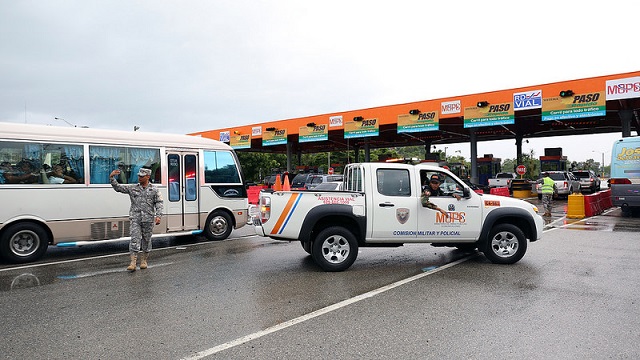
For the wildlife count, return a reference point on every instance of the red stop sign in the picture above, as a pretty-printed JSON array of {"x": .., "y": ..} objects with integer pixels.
[
  {"x": 330, "y": 171},
  {"x": 521, "y": 170}
]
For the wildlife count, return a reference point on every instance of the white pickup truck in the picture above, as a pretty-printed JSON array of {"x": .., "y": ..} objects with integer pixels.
[
  {"x": 381, "y": 206},
  {"x": 502, "y": 179}
]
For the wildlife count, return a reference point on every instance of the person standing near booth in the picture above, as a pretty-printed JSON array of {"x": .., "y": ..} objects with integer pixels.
[{"x": 548, "y": 188}]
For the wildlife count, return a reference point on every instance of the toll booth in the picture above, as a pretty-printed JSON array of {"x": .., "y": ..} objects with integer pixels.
[
  {"x": 459, "y": 169},
  {"x": 553, "y": 160},
  {"x": 488, "y": 166},
  {"x": 433, "y": 159}
]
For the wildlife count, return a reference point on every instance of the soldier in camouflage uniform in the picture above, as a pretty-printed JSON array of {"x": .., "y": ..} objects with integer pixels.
[
  {"x": 146, "y": 209},
  {"x": 433, "y": 189}
]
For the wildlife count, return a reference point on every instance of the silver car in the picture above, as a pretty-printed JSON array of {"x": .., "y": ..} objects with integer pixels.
[
  {"x": 589, "y": 180},
  {"x": 566, "y": 183}
]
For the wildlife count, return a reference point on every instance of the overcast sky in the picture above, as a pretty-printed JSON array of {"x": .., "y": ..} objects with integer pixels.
[{"x": 187, "y": 66}]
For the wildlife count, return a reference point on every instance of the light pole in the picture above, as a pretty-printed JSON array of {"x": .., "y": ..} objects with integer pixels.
[{"x": 70, "y": 124}]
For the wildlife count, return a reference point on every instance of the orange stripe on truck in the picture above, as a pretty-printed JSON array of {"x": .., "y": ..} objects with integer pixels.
[{"x": 285, "y": 213}]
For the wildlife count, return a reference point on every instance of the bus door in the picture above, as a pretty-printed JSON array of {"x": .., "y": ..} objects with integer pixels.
[{"x": 182, "y": 204}]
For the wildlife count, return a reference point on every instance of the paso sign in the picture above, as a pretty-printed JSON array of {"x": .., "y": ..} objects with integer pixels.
[{"x": 521, "y": 170}]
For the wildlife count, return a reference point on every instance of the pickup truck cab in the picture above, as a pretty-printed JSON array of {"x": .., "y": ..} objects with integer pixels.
[{"x": 380, "y": 206}]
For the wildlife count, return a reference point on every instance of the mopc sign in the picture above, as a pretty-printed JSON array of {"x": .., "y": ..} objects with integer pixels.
[{"x": 623, "y": 88}]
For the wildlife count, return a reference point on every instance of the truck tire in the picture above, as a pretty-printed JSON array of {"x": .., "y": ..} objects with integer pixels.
[
  {"x": 334, "y": 249},
  {"x": 218, "y": 226},
  {"x": 23, "y": 242},
  {"x": 506, "y": 244}
]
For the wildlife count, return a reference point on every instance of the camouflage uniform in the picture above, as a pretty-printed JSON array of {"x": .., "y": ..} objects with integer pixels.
[
  {"x": 146, "y": 204},
  {"x": 424, "y": 198}
]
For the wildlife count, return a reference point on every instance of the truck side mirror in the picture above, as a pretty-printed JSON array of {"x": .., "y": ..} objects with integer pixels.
[{"x": 466, "y": 193}]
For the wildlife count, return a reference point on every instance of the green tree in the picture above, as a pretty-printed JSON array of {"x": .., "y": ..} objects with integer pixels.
[{"x": 528, "y": 160}]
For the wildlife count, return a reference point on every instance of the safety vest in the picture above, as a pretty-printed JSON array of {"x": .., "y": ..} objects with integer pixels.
[{"x": 547, "y": 185}]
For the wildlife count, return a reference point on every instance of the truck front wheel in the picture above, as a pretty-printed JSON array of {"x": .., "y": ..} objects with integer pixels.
[
  {"x": 506, "y": 244},
  {"x": 334, "y": 249}
]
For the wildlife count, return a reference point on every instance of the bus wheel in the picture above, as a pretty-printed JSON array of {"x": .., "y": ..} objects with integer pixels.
[
  {"x": 23, "y": 242},
  {"x": 218, "y": 226}
]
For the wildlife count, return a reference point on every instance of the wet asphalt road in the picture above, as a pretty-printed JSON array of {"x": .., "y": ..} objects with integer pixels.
[{"x": 573, "y": 295}]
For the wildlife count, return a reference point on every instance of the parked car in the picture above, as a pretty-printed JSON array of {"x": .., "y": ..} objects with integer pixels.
[
  {"x": 271, "y": 179},
  {"x": 329, "y": 185},
  {"x": 300, "y": 180},
  {"x": 589, "y": 180},
  {"x": 566, "y": 183},
  {"x": 316, "y": 180}
]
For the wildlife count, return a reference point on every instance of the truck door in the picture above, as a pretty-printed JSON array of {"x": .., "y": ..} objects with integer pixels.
[
  {"x": 394, "y": 205},
  {"x": 182, "y": 205},
  {"x": 465, "y": 215}
]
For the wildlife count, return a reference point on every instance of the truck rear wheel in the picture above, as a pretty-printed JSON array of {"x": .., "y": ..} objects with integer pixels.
[
  {"x": 506, "y": 244},
  {"x": 335, "y": 249}
]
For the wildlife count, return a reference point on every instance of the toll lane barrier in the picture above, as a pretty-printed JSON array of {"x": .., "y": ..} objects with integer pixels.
[
  {"x": 521, "y": 188},
  {"x": 502, "y": 191},
  {"x": 575, "y": 206},
  {"x": 580, "y": 206},
  {"x": 253, "y": 193},
  {"x": 606, "y": 199},
  {"x": 592, "y": 205}
]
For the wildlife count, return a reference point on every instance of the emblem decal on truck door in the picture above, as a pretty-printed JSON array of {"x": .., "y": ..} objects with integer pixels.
[{"x": 402, "y": 215}]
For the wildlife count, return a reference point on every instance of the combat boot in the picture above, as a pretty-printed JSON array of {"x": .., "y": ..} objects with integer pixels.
[
  {"x": 132, "y": 266},
  {"x": 143, "y": 260}
]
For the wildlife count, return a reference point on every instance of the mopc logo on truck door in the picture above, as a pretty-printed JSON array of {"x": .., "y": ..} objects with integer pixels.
[{"x": 402, "y": 215}]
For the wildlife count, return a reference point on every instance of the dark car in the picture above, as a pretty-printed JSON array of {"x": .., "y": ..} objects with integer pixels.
[
  {"x": 589, "y": 180},
  {"x": 300, "y": 180}
]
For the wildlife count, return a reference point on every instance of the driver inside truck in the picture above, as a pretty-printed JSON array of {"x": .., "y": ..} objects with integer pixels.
[{"x": 433, "y": 189}]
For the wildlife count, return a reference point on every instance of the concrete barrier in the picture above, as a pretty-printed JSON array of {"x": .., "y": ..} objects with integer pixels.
[
  {"x": 501, "y": 191},
  {"x": 575, "y": 206}
]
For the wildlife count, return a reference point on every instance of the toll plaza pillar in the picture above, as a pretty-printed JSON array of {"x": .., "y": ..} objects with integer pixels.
[
  {"x": 473, "y": 144},
  {"x": 626, "y": 115},
  {"x": 289, "y": 156}
]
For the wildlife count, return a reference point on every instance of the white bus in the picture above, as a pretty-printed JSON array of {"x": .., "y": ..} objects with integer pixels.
[
  {"x": 41, "y": 204},
  {"x": 625, "y": 173}
]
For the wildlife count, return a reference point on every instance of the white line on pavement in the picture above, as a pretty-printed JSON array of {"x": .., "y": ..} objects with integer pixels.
[{"x": 322, "y": 311}]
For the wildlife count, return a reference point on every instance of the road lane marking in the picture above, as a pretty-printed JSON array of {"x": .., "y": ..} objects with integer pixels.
[{"x": 319, "y": 312}]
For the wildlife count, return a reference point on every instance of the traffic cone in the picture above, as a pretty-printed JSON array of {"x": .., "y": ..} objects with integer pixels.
[
  {"x": 277, "y": 186},
  {"x": 286, "y": 186}
]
